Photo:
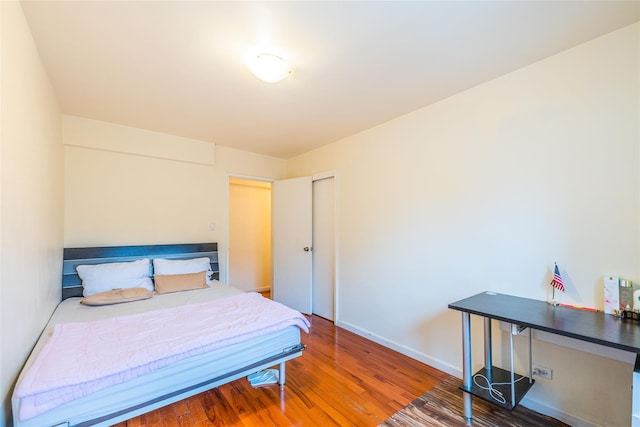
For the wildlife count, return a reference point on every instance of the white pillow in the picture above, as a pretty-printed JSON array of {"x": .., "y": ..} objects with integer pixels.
[
  {"x": 163, "y": 266},
  {"x": 115, "y": 275}
]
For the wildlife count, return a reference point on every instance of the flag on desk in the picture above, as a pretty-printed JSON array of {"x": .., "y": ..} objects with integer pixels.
[{"x": 556, "y": 282}]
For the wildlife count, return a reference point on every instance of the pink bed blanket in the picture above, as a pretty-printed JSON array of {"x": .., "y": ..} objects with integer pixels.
[{"x": 81, "y": 358}]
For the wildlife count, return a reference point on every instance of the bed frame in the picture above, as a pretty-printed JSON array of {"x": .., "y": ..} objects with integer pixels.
[
  {"x": 72, "y": 286},
  {"x": 72, "y": 257}
]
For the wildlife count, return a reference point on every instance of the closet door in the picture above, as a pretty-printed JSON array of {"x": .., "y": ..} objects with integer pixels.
[
  {"x": 323, "y": 248},
  {"x": 292, "y": 242}
]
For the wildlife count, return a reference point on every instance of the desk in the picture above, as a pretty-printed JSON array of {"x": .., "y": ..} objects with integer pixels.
[{"x": 590, "y": 326}]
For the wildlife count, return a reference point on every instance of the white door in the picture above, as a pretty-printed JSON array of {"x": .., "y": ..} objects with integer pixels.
[
  {"x": 323, "y": 248},
  {"x": 291, "y": 241}
]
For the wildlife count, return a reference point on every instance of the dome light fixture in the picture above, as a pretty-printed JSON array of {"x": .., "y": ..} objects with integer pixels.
[{"x": 269, "y": 67}]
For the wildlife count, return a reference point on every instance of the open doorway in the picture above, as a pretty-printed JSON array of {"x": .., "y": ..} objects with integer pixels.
[
  {"x": 249, "y": 234},
  {"x": 251, "y": 262}
]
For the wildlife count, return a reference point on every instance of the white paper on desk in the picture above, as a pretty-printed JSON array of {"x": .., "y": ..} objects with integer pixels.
[{"x": 611, "y": 294}]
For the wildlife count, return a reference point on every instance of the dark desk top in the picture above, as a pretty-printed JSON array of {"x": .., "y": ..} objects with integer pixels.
[{"x": 595, "y": 327}]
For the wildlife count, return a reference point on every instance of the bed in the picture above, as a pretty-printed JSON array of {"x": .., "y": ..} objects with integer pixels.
[{"x": 170, "y": 346}]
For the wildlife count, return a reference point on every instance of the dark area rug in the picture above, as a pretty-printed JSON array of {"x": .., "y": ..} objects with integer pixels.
[{"x": 442, "y": 406}]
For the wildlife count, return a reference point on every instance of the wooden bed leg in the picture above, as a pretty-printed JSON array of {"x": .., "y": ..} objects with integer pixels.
[{"x": 281, "y": 375}]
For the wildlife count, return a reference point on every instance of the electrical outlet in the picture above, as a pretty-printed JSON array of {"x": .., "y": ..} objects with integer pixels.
[{"x": 542, "y": 372}]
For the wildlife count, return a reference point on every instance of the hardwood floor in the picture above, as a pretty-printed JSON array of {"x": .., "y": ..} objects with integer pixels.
[
  {"x": 441, "y": 406},
  {"x": 341, "y": 379}
]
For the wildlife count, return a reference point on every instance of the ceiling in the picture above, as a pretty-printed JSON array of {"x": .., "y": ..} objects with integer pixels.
[{"x": 178, "y": 67}]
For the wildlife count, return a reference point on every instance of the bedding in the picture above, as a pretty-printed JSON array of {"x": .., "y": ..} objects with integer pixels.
[
  {"x": 117, "y": 296},
  {"x": 215, "y": 334},
  {"x": 165, "y": 283},
  {"x": 162, "y": 266},
  {"x": 115, "y": 275}
]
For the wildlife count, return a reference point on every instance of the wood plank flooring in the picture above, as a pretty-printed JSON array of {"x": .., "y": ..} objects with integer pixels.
[{"x": 341, "y": 379}]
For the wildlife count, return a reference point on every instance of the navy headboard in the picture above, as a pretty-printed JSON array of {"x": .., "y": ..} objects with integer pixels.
[{"x": 72, "y": 257}]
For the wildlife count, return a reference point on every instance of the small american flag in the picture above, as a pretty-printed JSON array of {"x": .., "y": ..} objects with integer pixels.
[{"x": 557, "y": 280}]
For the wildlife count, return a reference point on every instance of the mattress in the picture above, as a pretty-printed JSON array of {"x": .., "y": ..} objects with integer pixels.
[{"x": 165, "y": 385}]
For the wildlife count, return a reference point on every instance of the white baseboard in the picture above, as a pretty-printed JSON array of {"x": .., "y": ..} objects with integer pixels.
[
  {"x": 569, "y": 419},
  {"x": 424, "y": 358}
]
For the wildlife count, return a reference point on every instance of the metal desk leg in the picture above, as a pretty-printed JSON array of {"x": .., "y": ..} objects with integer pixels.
[
  {"x": 488, "y": 360},
  {"x": 466, "y": 363},
  {"x": 512, "y": 378}
]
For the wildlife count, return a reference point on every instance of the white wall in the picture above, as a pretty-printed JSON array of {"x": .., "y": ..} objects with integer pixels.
[
  {"x": 485, "y": 191},
  {"x": 116, "y": 198},
  {"x": 31, "y": 198}
]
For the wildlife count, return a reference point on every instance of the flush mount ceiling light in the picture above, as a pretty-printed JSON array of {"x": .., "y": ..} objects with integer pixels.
[{"x": 269, "y": 67}]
